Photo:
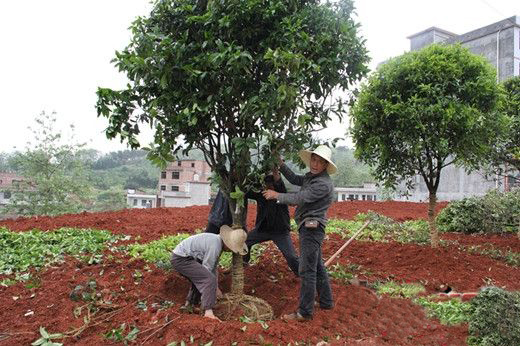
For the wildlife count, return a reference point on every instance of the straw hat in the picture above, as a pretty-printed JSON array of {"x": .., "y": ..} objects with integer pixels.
[
  {"x": 322, "y": 151},
  {"x": 234, "y": 239}
]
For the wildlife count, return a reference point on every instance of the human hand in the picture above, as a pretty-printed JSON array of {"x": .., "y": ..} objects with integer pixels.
[{"x": 270, "y": 194}]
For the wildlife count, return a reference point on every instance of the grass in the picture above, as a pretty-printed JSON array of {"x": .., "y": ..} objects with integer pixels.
[{"x": 401, "y": 290}]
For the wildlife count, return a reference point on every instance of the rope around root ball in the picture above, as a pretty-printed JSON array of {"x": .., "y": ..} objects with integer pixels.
[{"x": 233, "y": 306}]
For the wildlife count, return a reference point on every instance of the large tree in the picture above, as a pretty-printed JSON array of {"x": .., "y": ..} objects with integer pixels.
[
  {"x": 423, "y": 111},
  {"x": 54, "y": 174},
  {"x": 231, "y": 78}
]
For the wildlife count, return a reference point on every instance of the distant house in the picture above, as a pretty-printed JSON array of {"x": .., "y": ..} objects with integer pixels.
[
  {"x": 184, "y": 183},
  {"x": 139, "y": 199},
  {"x": 7, "y": 183},
  {"x": 366, "y": 192}
]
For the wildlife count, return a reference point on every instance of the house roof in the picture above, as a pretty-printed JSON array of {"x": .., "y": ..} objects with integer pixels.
[
  {"x": 433, "y": 28},
  {"x": 6, "y": 179}
]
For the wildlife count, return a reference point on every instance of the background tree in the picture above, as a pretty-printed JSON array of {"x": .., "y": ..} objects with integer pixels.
[
  {"x": 229, "y": 77},
  {"x": 423, "y": 111},
  {"x": 54, "y": 174},
  {"x": 507, "y": 149}
]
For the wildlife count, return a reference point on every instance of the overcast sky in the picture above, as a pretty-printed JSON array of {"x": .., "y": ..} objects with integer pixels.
[{"x": 55, "y": 53}]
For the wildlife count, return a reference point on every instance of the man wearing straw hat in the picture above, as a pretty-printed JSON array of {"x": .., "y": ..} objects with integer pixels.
[
  {"x": 196, "y": 258},
  {"x": 312, "y": 202}
]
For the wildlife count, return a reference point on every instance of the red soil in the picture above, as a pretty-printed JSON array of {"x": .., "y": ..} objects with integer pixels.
[{"x": 359, "y": 318}]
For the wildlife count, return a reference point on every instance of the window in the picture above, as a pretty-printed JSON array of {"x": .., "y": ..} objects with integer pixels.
[
  {"x": 351, "y": 197},
  {"x": 179, "y": 163},
  {"x": 357, "y": 197},
  {"x": 374, "y": 198},
  {"x": 343, "y": 196},
  {"x": 135, "y": 201},
  {"x": 369, "y": 197},
  {"x": 143, "y": 202},
  {"x": 363, "y": 197},
  {"x": 163, "y": 175},
  {"x": 193, "y": 164},
  {"x": 175, "y": 188},
  {"x": 163, "y": 187},
  {"x": 175, "y": 175}
]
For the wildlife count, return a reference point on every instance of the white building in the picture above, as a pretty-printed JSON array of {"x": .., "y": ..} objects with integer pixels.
[
  {"x": 138, "y": 199},
  {"x": 195, "y": 193},
  {"x": 367, "y": 192}
]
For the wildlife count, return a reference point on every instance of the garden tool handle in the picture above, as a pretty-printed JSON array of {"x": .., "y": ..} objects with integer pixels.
[{"x": 346, "y": 244}]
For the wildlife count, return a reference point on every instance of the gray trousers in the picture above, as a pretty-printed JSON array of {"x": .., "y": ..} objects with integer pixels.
[{"x": 203, "y": 282}]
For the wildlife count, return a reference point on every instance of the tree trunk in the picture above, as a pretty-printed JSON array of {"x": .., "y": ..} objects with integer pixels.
[
  {"x": 237, "y": 275},
  {"x": 434, "y": 233},
  {"x": 237, "y": 266}
]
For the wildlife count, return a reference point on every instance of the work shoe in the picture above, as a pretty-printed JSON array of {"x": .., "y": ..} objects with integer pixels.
[
  {"x": 296, "y": 316},
  {"x": 323, "y": 307}
]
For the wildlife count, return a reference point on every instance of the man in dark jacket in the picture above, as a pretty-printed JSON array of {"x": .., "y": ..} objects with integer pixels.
[{"x": 272, "y": 222}]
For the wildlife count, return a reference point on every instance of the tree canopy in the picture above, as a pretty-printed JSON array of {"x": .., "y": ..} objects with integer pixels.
[
  {"x": 230, "y": 76},
  {"x": 425, "y": 110}
]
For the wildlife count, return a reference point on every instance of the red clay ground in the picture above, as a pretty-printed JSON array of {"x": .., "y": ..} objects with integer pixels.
[{"x": 359, "y": 317}]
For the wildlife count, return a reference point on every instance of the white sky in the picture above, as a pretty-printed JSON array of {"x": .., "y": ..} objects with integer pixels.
[{"x": 55, "y": 53}]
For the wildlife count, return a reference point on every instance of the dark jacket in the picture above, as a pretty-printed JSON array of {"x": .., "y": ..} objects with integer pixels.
[
  {"x": 220, "y": 214},
  {"x": 271, "y": 216},
  {"x": 314, "y": 198}
]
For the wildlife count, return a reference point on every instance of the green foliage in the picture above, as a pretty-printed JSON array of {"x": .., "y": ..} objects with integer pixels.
[
  {"x": 35, "y": 249},
  {"x": 381, "y": 228},
  {"x": 46, "y": 339},
  {"x": 339, "y": 272},
  {"x": 54, "y": 176},
  {"x": 440, "y": 104},
  {"x": 495, "y": 318},
  {"x": 402, "y": 290},
  {"x": 157, "y": 251},
  {"x": 112, "y": 199},
  {"x": 450, "y": 312},
  {"x": 351, "y": 172},
  {"x": 494, "y": 212},
  {"x": 234, "y": 77},
  {"x": 507, "y": 148},
  {"x": 118, "y": 334},
  {"x": 507, "y": 256}
]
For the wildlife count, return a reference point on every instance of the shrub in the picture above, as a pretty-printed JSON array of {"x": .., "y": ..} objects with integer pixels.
[
  {"x": 495, "y": 318},
  {"x": 493, "y": 212}
]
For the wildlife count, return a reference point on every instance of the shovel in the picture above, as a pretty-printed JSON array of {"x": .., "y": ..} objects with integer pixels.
[{"x": 346, "y": 244}]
